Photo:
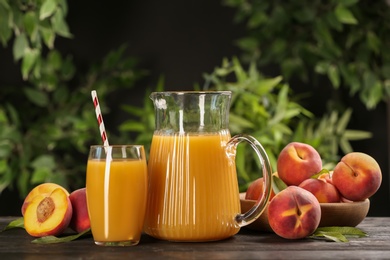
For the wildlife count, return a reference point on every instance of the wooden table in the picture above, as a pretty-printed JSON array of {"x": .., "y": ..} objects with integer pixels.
[{"x": 247, "y": 244}]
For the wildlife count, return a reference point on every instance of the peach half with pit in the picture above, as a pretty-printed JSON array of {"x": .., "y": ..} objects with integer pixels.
[
  {"x": 48, "y": 214},
  {"x": 294, "y": 213},
  {"x": 298, "y": 162},
  {"x": 357, "y": 176},
  {"x": 80, "y": 218},
  {"x": 43, "y": 188}
]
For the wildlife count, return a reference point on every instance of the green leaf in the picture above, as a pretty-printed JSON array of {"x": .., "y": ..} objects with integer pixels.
[
  {"x": 5, "y": 27},
  {"x": 48, "y": 36},
  {"x": 3, "y": 163},
  {"x": 373, "y": 42},
  {"x": 257, "y": 20},
  {"x": 372, "y": 92},
  {"x": 4, "y": 3},
  {"x": 344, "y": 15},
  {"x": 332, "y": 236},
  {"x": 64, "y": 6},
  {"x": 343, "y": 122},
  {"x": 133, "y": 110},
  {"x": 20, "y": 46},
  {"x": 241, "y": 162},
  {"x": 323, "y": 171},
  {"x": 267, "y": 85},
  {"x": 277, "y": 184},
  {"x": 132, "y": 126},
  {"x": 40, "y": 175},
  {"x": 17, "y": 223},
  {"x": 248, "y": 43},
  {"x": 29, "y": 60},
  {"x": 54, "y": 239},
  {"x": 37, "y": 97},
  {"x": 356, "y": 135},
  {"x": 337, "y": 234},
  {"x": 30, "y": 23},
  {"x": 47, "y": 9},
  {"x": 322, "y": 67},
  {"x": 333, "y": 21},
  {"x": 347, "y": 231},
  {"x": 244, "y": 123},
  {"x": 54, "y": 59},
  {"x": 44, "y": 161},
  {"x": 334, "y": 76},
  {"x": 59, "y": 24}
]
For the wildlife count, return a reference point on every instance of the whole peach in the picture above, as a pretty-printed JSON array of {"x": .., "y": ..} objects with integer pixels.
[
  {"x": 357, "y": 176},
  {"x": 294, "y": 213},
  {"x": 324, "y": 191},
  {"x": 298, "y": 162},
  {"x": 80, "y": 218},
  {"x": 255, "y": 190}
]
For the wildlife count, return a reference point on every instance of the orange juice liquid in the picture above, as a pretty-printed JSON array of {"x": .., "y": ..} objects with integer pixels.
[
  {"x": 193, "y": 189},
  {"x": 117, "y": 210}
]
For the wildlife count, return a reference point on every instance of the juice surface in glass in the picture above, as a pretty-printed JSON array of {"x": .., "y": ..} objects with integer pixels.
[
  {"x": 116, "y": 208},
  {"x": 193, "y": 189}
]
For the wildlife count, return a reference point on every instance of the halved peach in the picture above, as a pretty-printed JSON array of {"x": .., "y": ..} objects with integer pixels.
[
  {"x": 48, "y": 214},
  {"x": 44, "y": 188}
]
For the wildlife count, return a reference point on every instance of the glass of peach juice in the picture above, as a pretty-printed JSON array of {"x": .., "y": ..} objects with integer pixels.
[{"x": 116, "y": 187}]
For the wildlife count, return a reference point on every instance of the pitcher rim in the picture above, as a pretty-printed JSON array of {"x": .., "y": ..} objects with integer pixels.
[{"x": 182, "y": 92}]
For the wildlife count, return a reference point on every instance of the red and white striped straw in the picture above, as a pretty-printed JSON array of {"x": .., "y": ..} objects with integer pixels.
[{"x": 99, "y": 117}]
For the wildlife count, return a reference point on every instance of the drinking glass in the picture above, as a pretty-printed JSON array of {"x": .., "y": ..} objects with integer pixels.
[{"x": 116, "y": 187}]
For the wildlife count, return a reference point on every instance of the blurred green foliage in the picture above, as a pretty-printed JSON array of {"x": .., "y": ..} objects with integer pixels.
[
  {"x": 47, "y": 125},
  {"x": 345, "y": 40},
  {"x": 264, "y": 108}
]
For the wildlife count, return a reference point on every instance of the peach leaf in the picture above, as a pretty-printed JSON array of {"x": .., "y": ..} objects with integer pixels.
[
  {"x": 54, "y": 239},
  {"x": 277, "y": 184},
  {"x": 337, "y": 234},
  {"x": 17, "y": 223}
]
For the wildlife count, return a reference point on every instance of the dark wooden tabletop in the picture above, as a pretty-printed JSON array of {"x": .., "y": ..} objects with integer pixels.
[{"x": 247, "y": 244}]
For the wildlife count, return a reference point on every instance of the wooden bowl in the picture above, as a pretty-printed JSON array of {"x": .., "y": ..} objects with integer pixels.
[{"x": 332, "y": 214}]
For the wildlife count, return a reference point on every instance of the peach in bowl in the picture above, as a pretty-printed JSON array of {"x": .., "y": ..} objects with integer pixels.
[{"x": 332, "y": 214}]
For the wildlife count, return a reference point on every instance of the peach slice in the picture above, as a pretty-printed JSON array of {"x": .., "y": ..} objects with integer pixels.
[
  {"x": 80, "y": 218},
  {"x": 48, "y": 214},
  {"x": 43, "y": 188}
]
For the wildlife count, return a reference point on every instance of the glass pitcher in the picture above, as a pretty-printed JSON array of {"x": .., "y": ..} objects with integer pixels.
[{"x": 193, "y": 188}]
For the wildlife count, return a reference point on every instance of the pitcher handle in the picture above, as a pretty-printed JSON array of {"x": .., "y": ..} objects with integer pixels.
[{"x": 261, "y": 203}]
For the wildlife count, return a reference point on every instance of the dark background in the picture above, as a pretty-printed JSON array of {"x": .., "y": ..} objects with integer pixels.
[{"x": 181, "y": 40}]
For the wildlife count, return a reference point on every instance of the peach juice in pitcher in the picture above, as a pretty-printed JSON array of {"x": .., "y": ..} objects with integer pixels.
[{"x": 193, "y": 191}]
